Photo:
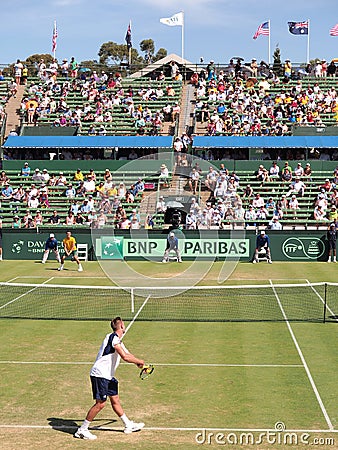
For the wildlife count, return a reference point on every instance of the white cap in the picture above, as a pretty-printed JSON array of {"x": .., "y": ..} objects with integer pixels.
[
  {"x": 262, "y": 232},
  {"x": 171, "y": 234},
  {"x": 51, "y": 235}
]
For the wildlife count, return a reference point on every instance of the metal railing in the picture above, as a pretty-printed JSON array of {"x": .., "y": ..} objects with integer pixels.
[{"x": 3, "y": 131}]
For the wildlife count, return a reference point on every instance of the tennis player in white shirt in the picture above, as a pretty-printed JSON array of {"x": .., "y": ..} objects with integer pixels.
[{"x": 104, "y": 383}]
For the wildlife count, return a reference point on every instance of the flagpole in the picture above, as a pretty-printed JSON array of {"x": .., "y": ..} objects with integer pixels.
[
  {"x": 182, "y": 35},
  {"x": 129, "y": 49},
  {"x": 308, "y": 42},
  {"x": 54, "y": 50},
  {"x": 269, "y": 44}
]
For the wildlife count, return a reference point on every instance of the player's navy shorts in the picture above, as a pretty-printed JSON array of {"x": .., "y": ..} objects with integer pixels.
[
  {"x": 332, "y": 244},
  {"x": 103, "y": 388}
]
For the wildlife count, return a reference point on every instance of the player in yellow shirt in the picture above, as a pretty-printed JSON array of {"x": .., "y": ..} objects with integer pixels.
[{"x": 69, "y": 245}]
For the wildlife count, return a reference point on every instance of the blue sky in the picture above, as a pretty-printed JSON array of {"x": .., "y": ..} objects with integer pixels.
[{"x": 214, "y": 29}]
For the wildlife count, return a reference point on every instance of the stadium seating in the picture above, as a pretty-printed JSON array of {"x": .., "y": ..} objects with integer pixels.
[
  {"x": 58, "y": 201},
  {"x": 248, "y": 93},
  {"x": 122, "y": 122}
]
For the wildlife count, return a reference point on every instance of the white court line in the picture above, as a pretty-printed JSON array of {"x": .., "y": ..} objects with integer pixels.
[
  {"x": 26, "y": 293},
  {"x": 15, "y": 278},
  {"x": 157, "y": 364},
  {"x": 321, "y": 299},
  {"x": 98, "y": 428},
  {"x": 306, "y": 367},
  {"x": 40, "y": 276},
  {"x": 136, "y": 315}
]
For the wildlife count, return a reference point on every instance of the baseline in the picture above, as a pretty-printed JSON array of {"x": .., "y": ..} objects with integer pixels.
[
  {"x": 158, "y": 364},
  {"x": 252, "y": 430}
]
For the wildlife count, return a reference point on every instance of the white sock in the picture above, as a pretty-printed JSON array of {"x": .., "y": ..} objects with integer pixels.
[
  {"x": 85, "y": 425},
  {"x": 80, "y": 267},
  {"x": 61, "y": 267},
  {"x": 125, "y": 420}
]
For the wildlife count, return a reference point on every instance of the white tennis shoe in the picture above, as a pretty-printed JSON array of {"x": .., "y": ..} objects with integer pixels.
[
  {"x": 85, "y": 434},
  {"x": 133, "y": 426}
]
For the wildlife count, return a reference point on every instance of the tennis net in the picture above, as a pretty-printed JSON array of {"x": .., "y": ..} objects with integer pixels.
[{"x": 279, "y": 302}]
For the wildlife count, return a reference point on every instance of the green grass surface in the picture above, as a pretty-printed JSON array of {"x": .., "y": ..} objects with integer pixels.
[{"x": 231, "y": 376}]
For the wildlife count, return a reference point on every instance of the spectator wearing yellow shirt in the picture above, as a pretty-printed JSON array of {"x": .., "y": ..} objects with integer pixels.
[
  {"x": 100, "y": 190},
  {"x": 111, "y": 190},
  {"x": 78, "y": 176},
  {"x": 333, "y": 214},
  {"x": 287, "y": 68},
  {"x": 70, "y": 249}
]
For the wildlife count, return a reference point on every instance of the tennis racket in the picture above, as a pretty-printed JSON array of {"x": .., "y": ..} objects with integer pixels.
[{"x": 146, "y": 370}]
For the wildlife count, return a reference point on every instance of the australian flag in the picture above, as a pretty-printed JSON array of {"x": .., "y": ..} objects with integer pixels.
[
  {"x": 128, "y": 37},
  {"x": 299, "y": 27}
]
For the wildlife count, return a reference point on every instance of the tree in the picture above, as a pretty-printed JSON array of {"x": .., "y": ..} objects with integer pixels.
[
  {"x": 148, "y": 47},
  {"x": 277, "y": 63},
  {"x": 112, "y": 53},
  {"x": 33, "y": 60},
  {"x": 162, "y": 53}
]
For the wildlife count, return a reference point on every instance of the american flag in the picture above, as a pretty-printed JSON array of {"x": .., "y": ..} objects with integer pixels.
[
  {"x": 54, "y": 38},
  {"x": 262, "y": 29},
  {"x": 334, "y": 31}
]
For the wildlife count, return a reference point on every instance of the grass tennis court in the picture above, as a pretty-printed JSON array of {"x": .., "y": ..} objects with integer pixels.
[{"x": 234, "y": 378}]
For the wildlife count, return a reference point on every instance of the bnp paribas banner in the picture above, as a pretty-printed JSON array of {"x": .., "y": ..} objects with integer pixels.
[
  {"x": 119, "y": 247},
  {"x": 284, "y": 247}
]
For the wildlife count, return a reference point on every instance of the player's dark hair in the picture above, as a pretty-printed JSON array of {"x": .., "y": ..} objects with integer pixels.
[{"x": 115, "y": 323}]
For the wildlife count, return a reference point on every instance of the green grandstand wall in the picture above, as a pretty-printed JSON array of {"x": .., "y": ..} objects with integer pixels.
[
  {"x": 145, "y": 165},
  {"x": 149, "y": 165}
]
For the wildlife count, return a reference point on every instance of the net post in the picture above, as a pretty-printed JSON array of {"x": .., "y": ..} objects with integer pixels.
[
  {"x": 132, "y": 300},
  {"x": 325, "y": 302}
]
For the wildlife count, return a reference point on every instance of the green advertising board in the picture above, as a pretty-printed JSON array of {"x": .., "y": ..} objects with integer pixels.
[
  {"x": 298, "y": 247},
  {"x": 30, "y": 246},
  {"x": 111, "y": 247},
  {"x": 140, "y": 244}
]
